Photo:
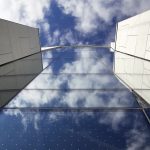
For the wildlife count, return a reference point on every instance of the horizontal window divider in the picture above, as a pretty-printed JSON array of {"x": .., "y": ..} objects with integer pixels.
[
  {"x": 74, "y": 109},
  {"x": 119, "y": 89},
  {"x": 131, "y": 56},
  {"x": 60, "y": 73}
]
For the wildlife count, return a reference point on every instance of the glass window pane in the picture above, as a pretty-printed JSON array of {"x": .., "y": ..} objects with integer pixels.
[
  {"x": 74, "y": 98},
  {"x": 74, "y": 130},
  {"x": 84, "y": 65},
  {"x": 75, "y": 81}
]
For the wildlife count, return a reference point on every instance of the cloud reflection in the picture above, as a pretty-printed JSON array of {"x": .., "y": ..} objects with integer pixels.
[
  {"x": 65, "y": 93},
  {"x": 83, "y": 90}
]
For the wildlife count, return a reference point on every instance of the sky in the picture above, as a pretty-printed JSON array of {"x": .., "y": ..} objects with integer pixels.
[{"x": 65, "y": 22}]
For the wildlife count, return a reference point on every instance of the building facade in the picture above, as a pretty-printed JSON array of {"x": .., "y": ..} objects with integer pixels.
[
  {"x": 17, "y": 41},
  {"x": 132, "y": 55},
  {"x": 73, "y": 97}
]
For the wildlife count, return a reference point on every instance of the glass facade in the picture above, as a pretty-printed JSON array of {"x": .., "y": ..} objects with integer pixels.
[{"x": 70, "y": 98}]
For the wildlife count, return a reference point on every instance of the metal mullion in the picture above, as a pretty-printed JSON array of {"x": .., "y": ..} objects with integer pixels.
[
  {"x": 133, "y": 56},
  {"x": 55, "y": 74},
  {"x": 57, "y": 89},
  {"x": 62, "y": 109}
]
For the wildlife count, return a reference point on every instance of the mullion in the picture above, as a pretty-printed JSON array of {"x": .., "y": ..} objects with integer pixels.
[{"x": 88, "y": 109}]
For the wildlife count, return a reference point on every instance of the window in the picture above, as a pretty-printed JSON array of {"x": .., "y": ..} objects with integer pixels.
[{"x": 74, "y": 102}]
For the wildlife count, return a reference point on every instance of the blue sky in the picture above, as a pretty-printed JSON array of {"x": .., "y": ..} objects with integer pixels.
[{"x": 64, "y": 22}]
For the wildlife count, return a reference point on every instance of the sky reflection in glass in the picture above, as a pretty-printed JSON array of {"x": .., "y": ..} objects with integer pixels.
[
  {"x": 80, "y": 77},
  {"x": 102, "y": 130},
  {"x": 74, "y": 78}
]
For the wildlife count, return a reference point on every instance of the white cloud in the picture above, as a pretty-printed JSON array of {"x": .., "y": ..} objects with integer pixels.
[
  {"x": 93, "y": 15},
  {"x": 137, "y": 137},
  {"x": 32, "y": 13},
  {"x": 58, "y": 38},
  {"x": 90, "y": 15},
  {"x": 22, "y": 11},
  {"x": 137, "y": 140},
  {"x": 113, "y": 118},
  {"x": 86, "y": 13},
  {"x": 95, "y": 64},
  {"x": 68, "y": 37}
]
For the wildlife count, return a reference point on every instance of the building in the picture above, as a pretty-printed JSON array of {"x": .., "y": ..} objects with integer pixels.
[
  {"x": 132, "y": 56},
  {"x": 17, "y": 41},
  {"x": 72, "y": 97}
]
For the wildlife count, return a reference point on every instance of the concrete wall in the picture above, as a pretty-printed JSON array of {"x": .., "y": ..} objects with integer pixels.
[
  {"x": 133, "y": 37},
  {"x": 17, "y": 41}
]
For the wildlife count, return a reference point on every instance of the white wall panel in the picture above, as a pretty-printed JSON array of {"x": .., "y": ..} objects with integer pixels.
[
  {"x": 133, "y": 38},
  {"x": 133, "y": 35}
]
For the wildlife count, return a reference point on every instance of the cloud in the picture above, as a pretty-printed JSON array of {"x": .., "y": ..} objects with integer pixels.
[
  {"x": 90, "y": 16},
  {"x": 137, "y": 137},
  {"x": 25, "y": 117},
  {"x": 32, "y": 13},
  {"x": 137, "y": 140},
  {"x": 86, "y": 13},
  {"x": 95, "y": 63},
  {"x": 114, "y": 119},
  {"x": 58, "y": 38},
  {"x": 93, "y": 15},
  {"x": 22, "y": 11}
]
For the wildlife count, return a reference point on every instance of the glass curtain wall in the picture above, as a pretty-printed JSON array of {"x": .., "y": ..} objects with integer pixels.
[{"x": 74, "y": 102}]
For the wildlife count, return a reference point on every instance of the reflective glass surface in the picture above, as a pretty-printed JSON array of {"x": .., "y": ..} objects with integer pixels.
[
  {"x": 69, "y": 99},
  {"x": 75, "y": 81},
  {"x": 75, "y": 77},
  {"x": 74, "y": 98},
  {"x": 117, "y": 130}
]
